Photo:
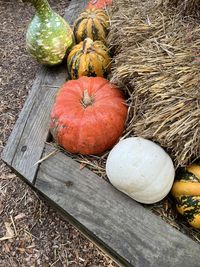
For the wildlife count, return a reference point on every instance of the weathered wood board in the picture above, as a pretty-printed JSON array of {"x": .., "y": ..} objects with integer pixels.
[
  {"x": 26, "y": 142},
  {"x": 131, "y": 234},
  {"x": 122, "y": 225}
]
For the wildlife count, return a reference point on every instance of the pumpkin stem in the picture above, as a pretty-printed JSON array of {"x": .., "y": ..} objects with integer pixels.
[{"x": 87, "y": 100}]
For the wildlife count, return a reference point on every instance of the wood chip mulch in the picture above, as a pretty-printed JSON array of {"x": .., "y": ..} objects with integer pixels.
[{"x": 31, "y": 233}]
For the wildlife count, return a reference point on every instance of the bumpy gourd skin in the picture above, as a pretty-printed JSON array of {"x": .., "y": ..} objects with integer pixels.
[
  {"x": 48, "y": 36},
  {"x": 186, "y": 190}
]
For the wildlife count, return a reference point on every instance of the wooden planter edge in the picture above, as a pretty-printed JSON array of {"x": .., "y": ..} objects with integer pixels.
[{"x": 132, "y": 235}]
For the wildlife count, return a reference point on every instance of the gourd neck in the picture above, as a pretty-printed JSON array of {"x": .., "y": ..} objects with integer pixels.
[{"x": 42, "y": 7}]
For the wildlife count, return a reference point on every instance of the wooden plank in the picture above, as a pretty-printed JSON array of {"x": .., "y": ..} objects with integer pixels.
[
  {"x": 74, "y": 9},
  {"x": 127, "y": 231},
  {"x": 123, "y": 227},
  {"x": 26, "y": 142},
  {"x": 14, "y": 138}
]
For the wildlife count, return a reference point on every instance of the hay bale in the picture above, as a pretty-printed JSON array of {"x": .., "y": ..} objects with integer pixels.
[
  {"x": 157, "y": 65},
  {"x": 185, "y": 7}
]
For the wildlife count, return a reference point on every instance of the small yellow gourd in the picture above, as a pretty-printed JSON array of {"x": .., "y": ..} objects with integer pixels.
[
  {"x": 89, "y": 58},
  {"x": 186, "y": 190},
  {"x": 92, "y": 23}
]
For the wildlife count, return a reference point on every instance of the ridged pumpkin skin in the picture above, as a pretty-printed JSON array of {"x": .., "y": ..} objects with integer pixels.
[
  {"x": 186, "y": 191},
  {"x": 89, "y": 58},
  {"x": 88, "y": 116},
  {"x": 48, "y": 36},
  {"x": 92, "y": 23}
]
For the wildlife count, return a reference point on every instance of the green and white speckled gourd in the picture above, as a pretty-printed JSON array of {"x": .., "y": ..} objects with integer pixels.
[{"x": 48, "y": 36}]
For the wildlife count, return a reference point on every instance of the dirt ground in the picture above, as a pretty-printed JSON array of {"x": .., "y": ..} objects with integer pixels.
[{"x": 31, "y": 233}]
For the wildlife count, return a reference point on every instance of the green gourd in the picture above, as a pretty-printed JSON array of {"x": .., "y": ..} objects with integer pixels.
[{"x": 48, "y": 36}]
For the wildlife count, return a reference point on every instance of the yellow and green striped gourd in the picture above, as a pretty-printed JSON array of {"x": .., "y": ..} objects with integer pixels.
[
  {"x": 92, "y": 23},
  {"x": 89, "y": 58},
  {"x": 186, "y": 190}
]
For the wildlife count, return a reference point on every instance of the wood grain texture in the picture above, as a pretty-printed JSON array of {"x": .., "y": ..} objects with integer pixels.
[
  {"x": 131, "y": 234},
  {"x": 117, "y": 222},
  {"x": 26, "y": 142},
  {"x": 74, "y": 9}
]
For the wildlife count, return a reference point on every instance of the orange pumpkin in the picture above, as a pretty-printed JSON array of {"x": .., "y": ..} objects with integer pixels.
[
  {"x": 88, "y": 116},
  {"x": 99, "y": 3}
]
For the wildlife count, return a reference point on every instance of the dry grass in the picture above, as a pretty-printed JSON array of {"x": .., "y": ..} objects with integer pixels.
[
  {"x": 144, "y": 51},
  {"x": 157, "y": 65},
  {"x": 185, "y": 7},
  {"x": 40, "y": 236},
  {"x": 152, "y": 53}
]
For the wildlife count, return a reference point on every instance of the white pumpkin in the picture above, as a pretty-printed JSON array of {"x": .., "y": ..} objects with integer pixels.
[{"x": 141, "y": 169}]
